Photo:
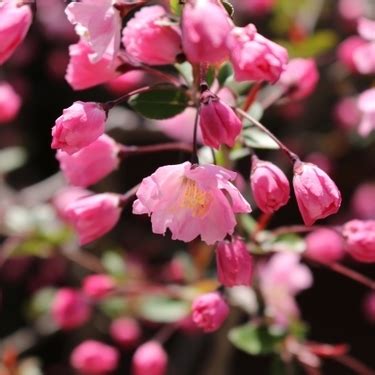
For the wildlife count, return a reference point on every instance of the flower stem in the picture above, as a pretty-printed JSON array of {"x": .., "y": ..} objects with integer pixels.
[
  {"x": 251, "y": 96},
  {"x": 138, "y": 150},
  {"x": 110, "y": 104},
  {"x": 194, "y": 156},
  {"x": 128, "y": 196}
]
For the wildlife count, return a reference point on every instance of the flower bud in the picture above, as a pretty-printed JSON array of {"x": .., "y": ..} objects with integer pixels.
[
  {"x": 94, "y": 216},
  {"x": 151, "y": 38},
  {"x": 234, "y": 263},
  {"x": 346, "y": 51},
  {"x": 126, "y": 332},
  {"x": 317, "y": 195},
  {"x": 79, "y": 125},
  {"x": 90, "y": 164},
  {"x": 94, "y": 358},
  {"x": 363, "y": 201},
  {"x": 70, "y": 309},
  {"x": 204, "y": 42},
  {"x": 360, "y": 239},
  {"x": 218, "y": 122},
  {"x": 269, "y": 185},
  {"x": 209, "y": 311},
  {"x": 324, "y": 245},
  {"x": 10, "y": 103},
  {"x": 151, "y": 359},
  {"x": 98, "y": 286},
  {"x": 366, "y": 105}
]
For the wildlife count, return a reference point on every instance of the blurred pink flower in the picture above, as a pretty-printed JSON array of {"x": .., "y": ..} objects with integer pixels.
[
  {"x": 151, "y": 359},
  {"x": 351, "y": 10},
  {"x": 366, "y": 28},
  {"x": 346, "y": 51},
  {"x": 369, "y": 307},
  {"x": 126, "y": 332},
  {"x": 321, "y": 160},
  {"x": 366, "y": 105},
  {"x": 191, "y": 201},
  {"x": 255, "y": 7},
  {"x": 364, "y": 58},
  {"x": 363, "y": 201},
  {"x": 10, "y": 103},
  {"x": 347, "y": 114},
  {"x": 98, "y": 286}
]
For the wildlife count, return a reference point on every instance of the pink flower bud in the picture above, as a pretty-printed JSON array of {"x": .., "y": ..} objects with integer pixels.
[
  {"x": 90, "y": 164},
  {"x": 151, "y": 38},
  {"x": 254, "y": 57},
  {"x": 209, "y": 311},
  {"x": 360, "y": 239},
  {"x": 369, "y": 307},
  {"x": 363, "y": 202},
  {"x": 151, "y": 359},
  {"x": 317, "y": 195},
  {"x": 218, "y": 122},
  {"x": 300, "y": 78},
  {"x": 15, "y": 21},
  {"x": 70, "y": 309},
  {"x": 347, "y": 114},
  {"x": 325, "y": 246},
  {"x": 366, "y": 105},
  {"x": 126, "y": 332},
  {"x": 94, "y": 358},
  {"x": 98, "y": 286},
  {"x": 94, "y": 216},
  {"x": 10, "y": 103},
  {"x": 204, "y": 42},
  {"x": 346, "y": 50},
  {"x": 78, "y": 126},
  {"x": 269, "y": 185},
  {"x": 234, "y": 263}
]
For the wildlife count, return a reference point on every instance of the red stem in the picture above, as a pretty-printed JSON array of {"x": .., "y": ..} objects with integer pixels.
[
  {"x": 170, "y": 146},
  {"x": 251, "y": 96}
]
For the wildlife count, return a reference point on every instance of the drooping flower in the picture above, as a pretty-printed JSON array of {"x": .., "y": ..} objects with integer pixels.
[
  {"x": 10, "y": 103},
  {"x": 366, "y": 105},
  {"x": 191, "y": 201},
  {"x": 150, "y": 358}
]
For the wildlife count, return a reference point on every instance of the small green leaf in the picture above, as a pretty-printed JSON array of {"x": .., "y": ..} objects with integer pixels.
[
  {"x": 248, "y": 223},
  {"x": 114, "y": 306},
  {"x": 114, "y": 263},
  {"x": 225, "y": 72},
  {"x": 176, "y": 7},
  {"x": 228, "y": 7},
  {"x": 255, "y": 138},
  {"x": 289, "y": 242},
  {"x": 160, "y": 103},
  {"x": 210, "y": 76},
  {"x": 11, "y": 158},
  {"x": 40, "y": 302}
]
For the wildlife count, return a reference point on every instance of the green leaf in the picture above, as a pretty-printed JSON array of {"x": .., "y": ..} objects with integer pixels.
[
  {"x": 114, "y": 306},
  {"x": 160, "y": 103},
  {"x": 114, "y": 263},
  {"x": 40, "y": 302},
  {"x": 256, "y": 138},
  {"x": 161, "y": 309},
  {"x": 289, "y": 242},
  {"x": 228, "y": 7},
  {"x": 248, "y": 223},
  {"x": 210, "y": 76},
  {"x": 225, "y": 72},
  {"x": 11, "y": 158},
  {"x": 254, "y": 339},
  {"x": 176, "y": 7}
]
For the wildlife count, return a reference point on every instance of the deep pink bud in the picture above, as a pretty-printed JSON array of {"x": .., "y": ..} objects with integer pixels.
[
  {"x": 78, "y": 126},
  {"x": 218, "y": 122},
  {"x": 126, "y": 332},
  {"x": 209, "y": 311},
  {"x": 94, "y": 216},
  {"x": 203, "y": 41},
  {"x": 10, "y": 103},
  {"x": 90, "y": 164},
  {"x": 369, "y": 307},
  {"x": 98, "y": 286},
  {"x": 15, "y": 21},
  {"x": 363, "y": 201},
  {"x": 269, "y": 185},
  {"x": 317, "y": 195},
  {"x": 325, "y": 245},
  {"x": 254, "y": 57},
  {"x": 70, "y": 309},
  {"x": 151, "y": 359},
  {"x": 94, "y": 358},
  {"x": 360, "y": 239},
  {"x": 151, "y": 38},
  {"x": 234, "y": 263}
]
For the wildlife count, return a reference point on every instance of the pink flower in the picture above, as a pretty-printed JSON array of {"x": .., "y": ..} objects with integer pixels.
[
  {"x": 360, "y": 239},
  {"x": 151, "y": 38},
  {"x": 366, "y": 105},
  {"x": 254, "y": 57},
  {"x": 324, "y": 245},
  {"x": 351, "y": 10},
  {"x": 369, "y": 307},
  {"x": 99, "y": 23},
  {"x": 364, "y": 58},
  {"x": 347, "y": 114},
  {"x": 234, "y": 263},
  {"x": 300, "y": 78},
  {"x": 363, "y": 201},
  {"x": 269, "y": 185},
  {"x": 15, "y": 21},
  {"x": 255, "y": 7},
  {"x": 90, "y": 164},
  {"x": 94, "y": 216},
  {"x": 191, "y": 201},
  {"x": 126, "y": 332},
  {"x": 98, "y": 286},
  {"x": 94, "y": 358},
  {"x": 209, "y": 311},
  {"x": 366, "y": 28},
  {"x": 347, "y": 49},
  {"x": 70, "y": 309},
  {"x": 204, "y": 42},
  {"x": 79, "y": 125},
  {"x": 218, "y": 122},
  {"x": 151, "y": 359},
  {"x": 10, "y": 103},
  {"x": 82, "y": 73},
  {"x": 317, "y": 195}
]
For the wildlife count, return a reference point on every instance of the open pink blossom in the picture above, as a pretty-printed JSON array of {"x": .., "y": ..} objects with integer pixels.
[
  {"x": 126, "y": 332},
  {"x": 94, "y": 216},
  {"x": 254, "y": 57},
  {"x": 151, "y": 38},
  {"x": 317, "y": 195},
  {"x": 151, "y": 359},
  {"x": 99, "y": 23},
  {"x": 346, "y": 51},
  {"x": 204, "y": 42},
  {"x": 10, "y": 103},
  {"x": 90, "y": 164},
  {"x": 360, "y": 239},
  {"x": 191, "y": 200},
  {"x": 94, "y": 358},
  {"x": 15, "y": 21},
  {"x": 98, "y": 286},
  {"x": 79, "y": 125},
  {"x": 363, "y": 201},
  {"x": 366, "y": 105}
]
